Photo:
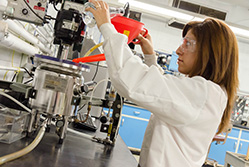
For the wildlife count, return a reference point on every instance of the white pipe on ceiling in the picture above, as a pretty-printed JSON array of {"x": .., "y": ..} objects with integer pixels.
[
  {"x": 43, "y": 40},
  {"x": 48, "y": 39},
  {"x": 19, "y": 30},
  {"x": 15, "y": 43},
  {"x": 47, "y": 30},
  {"x": 19, "y": 45}
]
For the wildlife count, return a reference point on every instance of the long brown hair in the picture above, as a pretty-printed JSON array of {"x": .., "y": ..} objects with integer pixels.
[{"x": 217, "y": 59}]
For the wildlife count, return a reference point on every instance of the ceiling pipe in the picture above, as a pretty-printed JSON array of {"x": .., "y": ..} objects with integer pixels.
[
  {"x": 19, "y": 45},
  {"x": 10, "y": 41},
  {"x": 19, "y": 30},
  {"x": 46, "y": 38}
]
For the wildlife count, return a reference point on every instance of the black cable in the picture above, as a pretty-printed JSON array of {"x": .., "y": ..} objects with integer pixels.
[
  {"x": 127, "y": 10},
  {"x": 32, "y": 10},
  {"x": 31, "y": 75},
  {"x": 81, "y": 107},
  {"x": 49, "y": 17},
  {"x": 32, "y": 60},
  {"x": 96, "y": 71},
  {"x": 14, "y": 76},
  {"x": 28, "y": 81},
  {"x": 55, "y": 7}
]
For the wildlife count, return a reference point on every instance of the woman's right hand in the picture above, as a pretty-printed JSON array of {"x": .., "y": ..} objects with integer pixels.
[
  {"x": 101, "y": 13},
  {"x": 146, "y": 44}
]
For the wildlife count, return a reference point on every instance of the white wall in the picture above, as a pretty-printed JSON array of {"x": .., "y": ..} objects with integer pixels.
[
  {"x": 164, "y": 38},
  {"x": 244, "y": 66}
]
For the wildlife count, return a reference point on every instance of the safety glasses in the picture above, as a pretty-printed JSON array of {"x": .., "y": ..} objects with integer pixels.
[{"x": 188, "y": 45}]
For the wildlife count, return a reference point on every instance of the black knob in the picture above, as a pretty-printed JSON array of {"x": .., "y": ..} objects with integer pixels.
[
  {"x": 25, "y": 11},
  {"x": 103, "y": 119},
  {"x": 84, "y": 88},
  {"x": 39, "y": 4}
]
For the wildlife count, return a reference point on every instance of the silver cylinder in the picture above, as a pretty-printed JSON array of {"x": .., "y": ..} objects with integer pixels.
[{"x": 54, "y": 81}]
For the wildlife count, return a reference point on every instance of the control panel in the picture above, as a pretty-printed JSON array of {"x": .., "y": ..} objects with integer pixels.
[{"x": 32, "y": 11}]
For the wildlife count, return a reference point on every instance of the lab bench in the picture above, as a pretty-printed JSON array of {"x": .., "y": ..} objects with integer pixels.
[
  {"x": 74, "y": 152},
  {"x": 235, "y": 159}
]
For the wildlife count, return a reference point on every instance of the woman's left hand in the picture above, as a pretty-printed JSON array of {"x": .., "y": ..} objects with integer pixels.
[
  {"x": 146, "y": 44},
  {"x": 101, "y": 13}
]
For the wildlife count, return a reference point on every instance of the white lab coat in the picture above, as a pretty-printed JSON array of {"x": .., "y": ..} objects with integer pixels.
[{"x": 185, "y": 111}]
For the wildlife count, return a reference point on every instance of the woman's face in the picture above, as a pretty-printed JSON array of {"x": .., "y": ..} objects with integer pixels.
[{"x": 187, "y": 53}]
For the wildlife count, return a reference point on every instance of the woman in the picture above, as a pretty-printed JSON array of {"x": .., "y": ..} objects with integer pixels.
[{"x": 186, "y": 111}]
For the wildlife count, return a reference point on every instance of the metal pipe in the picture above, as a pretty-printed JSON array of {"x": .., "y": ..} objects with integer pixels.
[
  {"x": 11, "y": 68},
  {"x": 11, "y": 41},
  {"x": 26, "y": 35},
  {"x": 49, "y": 32},
  {"x": 40, "y": 33}
]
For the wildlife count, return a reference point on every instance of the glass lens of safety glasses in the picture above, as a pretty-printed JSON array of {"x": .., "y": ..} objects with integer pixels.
[{"x": 188, "y": 45}]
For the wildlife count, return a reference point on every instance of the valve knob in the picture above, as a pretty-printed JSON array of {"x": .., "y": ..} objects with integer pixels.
[
  {"x": 25, "y": 11},
  {"x": 103, "y": 119}
]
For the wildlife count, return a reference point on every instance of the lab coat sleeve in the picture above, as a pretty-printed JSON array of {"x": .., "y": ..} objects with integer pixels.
[
  {"x": 176, "y": 101},
  {"x": 150, "y": 60}
]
